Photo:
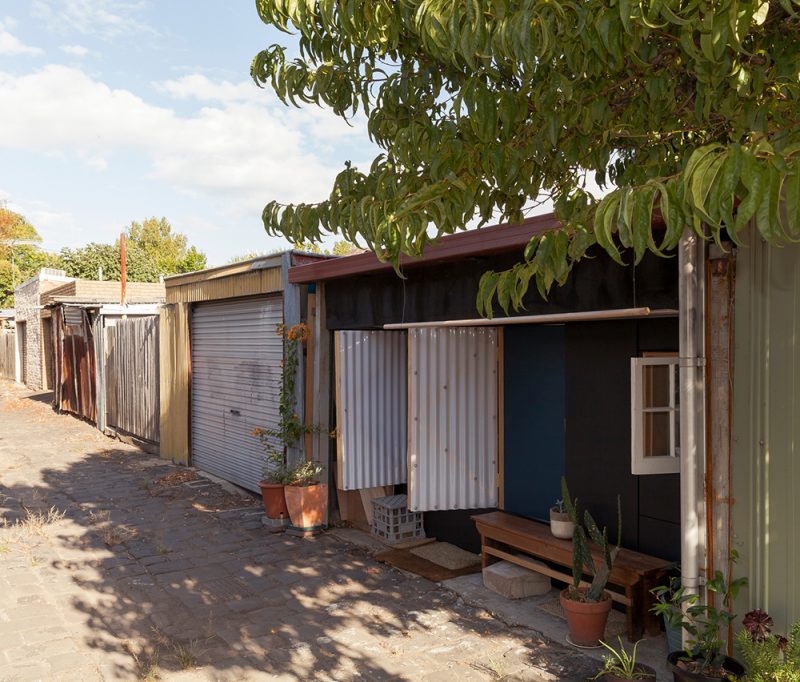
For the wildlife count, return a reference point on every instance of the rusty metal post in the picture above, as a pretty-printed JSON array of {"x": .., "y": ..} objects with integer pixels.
[{"x": 123, "y": 267}]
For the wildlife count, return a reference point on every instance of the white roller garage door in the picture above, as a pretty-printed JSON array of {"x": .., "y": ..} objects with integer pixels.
[{"x": 236, "y": 371}]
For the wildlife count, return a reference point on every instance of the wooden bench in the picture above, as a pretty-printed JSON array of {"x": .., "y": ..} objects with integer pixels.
[{"x": 504, "y": 535}]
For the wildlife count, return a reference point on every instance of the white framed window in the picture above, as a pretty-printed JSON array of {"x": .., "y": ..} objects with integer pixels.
[{"x": 655, "y": 416}]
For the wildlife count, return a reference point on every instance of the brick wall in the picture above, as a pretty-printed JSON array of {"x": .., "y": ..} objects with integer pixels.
[{"x": 26, "y": 306}]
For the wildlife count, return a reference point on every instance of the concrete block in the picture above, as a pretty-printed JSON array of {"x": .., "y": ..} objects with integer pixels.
[{"x": 515, "y": 582}]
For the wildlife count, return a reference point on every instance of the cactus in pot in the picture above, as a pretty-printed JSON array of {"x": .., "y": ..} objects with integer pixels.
[{"x": 587, "y": 609}]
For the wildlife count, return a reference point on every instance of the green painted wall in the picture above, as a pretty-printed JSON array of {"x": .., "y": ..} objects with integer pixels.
[{"x": 766, "y": 428}]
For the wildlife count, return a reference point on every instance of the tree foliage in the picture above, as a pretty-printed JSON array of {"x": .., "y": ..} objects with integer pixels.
[
  {"x": 686, "y": 109},
  {"x": 27, "y": 260},
  {"x": 152, "y": 250}
]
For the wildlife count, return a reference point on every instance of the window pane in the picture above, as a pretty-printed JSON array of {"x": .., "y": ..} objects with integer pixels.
[
  {"x": 656, "y": 434},
  {"x": 656, "y": 385}
]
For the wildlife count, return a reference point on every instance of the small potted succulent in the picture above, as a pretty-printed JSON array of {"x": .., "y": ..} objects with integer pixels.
[
  {"x": 703, "y": 658},
  {"x": 620, "y": 665},
  {"x": 587, "y": 609},
  {"x": 767, "y": 656},
  {"x": 561, "y": 525}
]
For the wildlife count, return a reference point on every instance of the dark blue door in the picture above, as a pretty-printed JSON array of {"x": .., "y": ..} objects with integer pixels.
[{"x": 534, "y": 418}]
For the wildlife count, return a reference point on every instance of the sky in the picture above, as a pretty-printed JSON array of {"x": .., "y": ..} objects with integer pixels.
[{"x": 118, "y": 110}]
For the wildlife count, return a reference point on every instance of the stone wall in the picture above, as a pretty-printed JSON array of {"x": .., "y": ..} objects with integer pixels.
[{"x": 26, "y": 305}]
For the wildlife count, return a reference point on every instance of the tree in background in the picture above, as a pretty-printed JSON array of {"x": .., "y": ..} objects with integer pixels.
[
  {"x": 684, "y": 109},
  {"x": 27, "y": 258},
  {"x": 152, "y": 250}
]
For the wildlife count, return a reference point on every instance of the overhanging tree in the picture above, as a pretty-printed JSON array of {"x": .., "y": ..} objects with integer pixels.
[{"x": 686, "y": 109}]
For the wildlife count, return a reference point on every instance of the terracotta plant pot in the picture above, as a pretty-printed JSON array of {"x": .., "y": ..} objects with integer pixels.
[
  {"x": 307, "y": 505},
  {"x": 274, "y": 500},
  {"x": 560, "y": 524},
  {"x": 734, "y": 669},
  {"x": 586, "y": 620}
]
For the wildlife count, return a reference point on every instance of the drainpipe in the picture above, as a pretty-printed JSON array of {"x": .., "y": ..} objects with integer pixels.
[{"x": 691, "y": 286}]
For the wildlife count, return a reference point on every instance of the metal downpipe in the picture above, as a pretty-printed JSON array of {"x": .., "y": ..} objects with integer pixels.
[{"x": 691, "y": 285}]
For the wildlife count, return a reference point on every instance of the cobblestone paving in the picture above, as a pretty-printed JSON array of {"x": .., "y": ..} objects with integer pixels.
[{"x": 105, "y": 574}]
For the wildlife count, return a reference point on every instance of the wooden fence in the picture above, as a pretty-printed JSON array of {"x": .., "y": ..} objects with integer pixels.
[
  {"x": 131, "y": 377},
  {"x": 8, "y": 355}
]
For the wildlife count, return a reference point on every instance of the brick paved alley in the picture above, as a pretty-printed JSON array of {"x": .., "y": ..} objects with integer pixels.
[{"x": 113, "y": 565}]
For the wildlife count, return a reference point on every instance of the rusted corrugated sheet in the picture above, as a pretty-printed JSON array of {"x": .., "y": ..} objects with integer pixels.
[
  {"x": 132, "y": 376},
  {"x": 245, "y": 284},
  {"x": 371, "y": 404},
  {"x": 453, "y": 418},
  {"x": 75, "y": 388}
]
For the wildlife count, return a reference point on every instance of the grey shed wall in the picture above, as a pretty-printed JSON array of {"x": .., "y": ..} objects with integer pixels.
[{"x": 766, "y": 428}]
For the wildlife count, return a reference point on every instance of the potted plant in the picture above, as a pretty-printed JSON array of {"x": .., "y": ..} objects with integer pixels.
[
  {"x": 275, "y": 473},
  {"x": 703, "y": 657},
  {"x": 286, "y": 434},
  {"x": 587, "y": 608},
  {"x": 306, "y": 498},
  {"x": 767, "y": 656},
  {"x": 560, "y": 524},
  {"x": 672, "y": 629},
  {"x": 620, "y": 665}
]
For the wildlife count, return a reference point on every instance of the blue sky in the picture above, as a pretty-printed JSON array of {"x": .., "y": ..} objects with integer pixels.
[{"x": 113, "y": 111}]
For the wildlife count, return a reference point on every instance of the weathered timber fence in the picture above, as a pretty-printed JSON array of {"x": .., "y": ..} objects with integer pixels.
[
  {"x": 8, "y": 355},
  {"x": 132, "y": 366}
]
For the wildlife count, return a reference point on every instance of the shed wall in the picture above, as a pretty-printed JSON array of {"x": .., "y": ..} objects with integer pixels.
[
  {"x": 245, "y": 284},
  {"x": 8, "y": 355},
  {"x": 174, "y": 381},
  {"x": 766, "y": 428}
]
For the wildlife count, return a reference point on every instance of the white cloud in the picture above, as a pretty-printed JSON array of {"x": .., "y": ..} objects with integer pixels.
[
  {"x": 11, "y": 45},
  {"x": 240, "y": 151},
  {"x": 105, "y": 18},
  {"x": 75, "y": 50},
  {"x": 199, "y": 87}
]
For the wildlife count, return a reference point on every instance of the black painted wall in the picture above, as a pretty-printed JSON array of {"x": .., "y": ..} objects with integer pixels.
[{"x": 598, "y": 433}]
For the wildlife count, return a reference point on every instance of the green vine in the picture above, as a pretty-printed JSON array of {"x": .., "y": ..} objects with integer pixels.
[{"x": 290, "y": 429}]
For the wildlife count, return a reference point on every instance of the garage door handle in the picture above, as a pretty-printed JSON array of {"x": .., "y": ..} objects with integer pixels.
[{"x": 236, "y": 412}]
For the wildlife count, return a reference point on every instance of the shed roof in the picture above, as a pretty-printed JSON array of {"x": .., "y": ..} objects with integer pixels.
[
  {"x": 485, "y": 241},
  {"x": 90, "y": 291}
]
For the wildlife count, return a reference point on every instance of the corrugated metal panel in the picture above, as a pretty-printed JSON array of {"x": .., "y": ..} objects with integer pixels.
[
  {"x": 246, "y": 284},
  {"x": 174, "y": 382},
  {"x": 371, "y": 402},
  {"x": 236, "y": 374},
  {"x": 766, "y": 428},
  {"x": 453, "y": 405}
]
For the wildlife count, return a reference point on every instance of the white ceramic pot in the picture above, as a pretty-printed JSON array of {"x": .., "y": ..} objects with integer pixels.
[{"x": 560, "y": 525}]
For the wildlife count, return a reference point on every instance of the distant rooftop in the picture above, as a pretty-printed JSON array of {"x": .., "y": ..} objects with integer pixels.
[{"x": 91, "y": 291}]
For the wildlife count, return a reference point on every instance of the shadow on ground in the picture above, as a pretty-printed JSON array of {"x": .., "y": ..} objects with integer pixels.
[{"x": 151, "y": 576}]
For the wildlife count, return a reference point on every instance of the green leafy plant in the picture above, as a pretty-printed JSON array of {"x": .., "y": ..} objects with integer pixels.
[
  {"x": 687, "y": 112},
  {"x": 582, "y": 559},
  {"x": 290, "y": 429},
  {"x": 704, "y": 623},
  {"x": 622, "y": 664},
  {"x": 768, "y": 657}
]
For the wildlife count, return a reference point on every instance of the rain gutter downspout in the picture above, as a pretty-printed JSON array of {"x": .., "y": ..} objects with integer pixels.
[{"x": 691, "y": 293}]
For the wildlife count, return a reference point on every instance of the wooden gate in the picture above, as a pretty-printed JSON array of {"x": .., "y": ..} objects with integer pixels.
[
  {"x": 8, "y": 355},
  {"x": 132, "y": 391}
]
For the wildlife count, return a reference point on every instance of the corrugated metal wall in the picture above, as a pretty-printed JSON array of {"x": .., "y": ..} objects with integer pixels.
[
  {"x": 8, "y": 355},
  {"x": 236, "y": 380},
  {"x": 243, "y": 284},
  {"x": 132, "y": 390},
  {"x": 76, "y": 387},
  {"x": 371, "y": 403},
  {"x": 453, "y": 425},
  {"x": 766, "y": 428},
  {"x": 174, "y": 382}
]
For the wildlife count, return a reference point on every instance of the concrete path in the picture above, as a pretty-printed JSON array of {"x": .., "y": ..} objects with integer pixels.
[{"x": 113, "y": 567}]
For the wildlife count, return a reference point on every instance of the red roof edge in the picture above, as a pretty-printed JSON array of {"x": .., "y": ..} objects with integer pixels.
[{"x": 485, "y": 241}]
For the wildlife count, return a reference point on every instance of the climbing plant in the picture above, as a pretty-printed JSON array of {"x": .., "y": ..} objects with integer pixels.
[{"x": 685, "y": 112}]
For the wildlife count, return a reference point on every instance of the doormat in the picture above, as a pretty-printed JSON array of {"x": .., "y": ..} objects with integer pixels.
[
  {"x": 405, "y": 560},
  {"x": 617, "y": 625},
  {"x": 447, "y": 555}
]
